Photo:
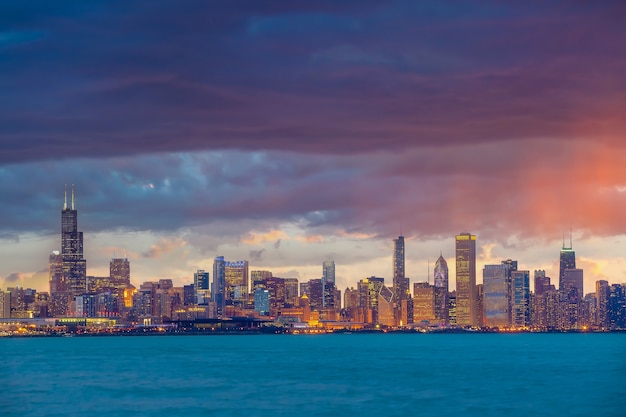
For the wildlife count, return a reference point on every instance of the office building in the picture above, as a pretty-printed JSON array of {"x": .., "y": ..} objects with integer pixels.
[
  {"x": 466, "y": 296},
  {"x": 520, "y": 298},
  {"x": 496, "y": 295},
  {"x": 119, "y": 271},
  {"x": 219, "y": 285},
  {"x": 423, "y": 303},
  {"x": 328, "y": 272}
]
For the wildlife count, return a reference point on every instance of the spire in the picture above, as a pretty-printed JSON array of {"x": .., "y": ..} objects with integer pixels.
[
  {"x": 73, "y": 197},
  {"x": 570, "y": 238},
  {"x": 65, "y": 197}
]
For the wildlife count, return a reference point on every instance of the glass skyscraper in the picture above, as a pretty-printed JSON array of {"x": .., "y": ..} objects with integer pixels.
[{"x": 400, "y": 282}]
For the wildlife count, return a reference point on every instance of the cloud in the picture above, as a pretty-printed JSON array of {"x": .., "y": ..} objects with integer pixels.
[
  {"x": 381, "y": 76},
  {"x": 163, "y": 247},
  {"x": 256, "y": 255}
]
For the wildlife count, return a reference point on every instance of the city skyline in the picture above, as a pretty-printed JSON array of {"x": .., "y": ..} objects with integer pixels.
[{"x": 296, "y": 133}]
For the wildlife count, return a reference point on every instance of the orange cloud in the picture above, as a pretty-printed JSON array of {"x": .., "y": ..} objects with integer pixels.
[{"x": 164, "y": 246}]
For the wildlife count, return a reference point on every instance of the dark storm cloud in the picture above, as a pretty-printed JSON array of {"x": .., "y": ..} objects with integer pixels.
[{"x": 117, "y": 78}]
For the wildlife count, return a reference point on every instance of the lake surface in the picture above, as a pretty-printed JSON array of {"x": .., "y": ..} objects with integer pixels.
[{"x": 316, "y": 375}]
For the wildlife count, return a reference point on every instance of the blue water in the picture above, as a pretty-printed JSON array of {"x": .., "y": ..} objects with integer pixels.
[{"x": 316, "y": 375}]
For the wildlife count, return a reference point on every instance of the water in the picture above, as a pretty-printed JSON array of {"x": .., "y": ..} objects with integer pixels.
[{"x": 316, "y": 375}]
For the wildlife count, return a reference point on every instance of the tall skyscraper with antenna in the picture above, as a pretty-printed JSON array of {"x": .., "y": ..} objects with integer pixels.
[
  {"x": 74, "y": 265},
  {"x": 567, "y": 260}
]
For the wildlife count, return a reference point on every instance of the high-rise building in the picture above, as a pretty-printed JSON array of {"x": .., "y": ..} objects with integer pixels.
[
  {"x": 201, "y": 287},
  {"x": 59, "y": 297},
  {"x": 567, "y": 260},
  {"x": 119, "y": 271},
  {"x": 291, "y": 291},
  {"x": 219, "y": 285},
  {"x": 236, "y": 279},
  {"x": 328, "y": 272},
  {"x": 74, "y": 265},
  {"x": 423, "y": 302},
  {"x": 603, "y": 291},
  {"x": 540, "y": 304},
  {"x": 441, "y": 290},
  {"x": 520, "y": 298},
  {"x": 5, "y": 304},
  {"x": 466, "y": 296},
  {"x": 400, "y": 281},
  {"x": 496, "y": 295}
]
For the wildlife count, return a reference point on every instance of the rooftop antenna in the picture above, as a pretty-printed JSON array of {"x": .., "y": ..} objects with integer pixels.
[
  {"x": 570, "y": 237},
  {"x": 65, "y": 197},
  {"x": 72, "y": 196},
  {"x": 428, "y": 272},
  {"x": 563, "y": 240}
]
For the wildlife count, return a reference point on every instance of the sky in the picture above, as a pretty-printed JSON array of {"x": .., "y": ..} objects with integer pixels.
[{"x": 289, "y": 133}]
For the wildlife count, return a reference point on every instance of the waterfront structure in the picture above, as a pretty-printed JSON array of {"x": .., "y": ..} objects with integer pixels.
[
  {"x": 441, "y": 290},
  {"x": 539, "y": 310},
  {"x": 466, "y": 296},
  {"x": 74, "y": 265},
  {"x": 496, "y": 295}
]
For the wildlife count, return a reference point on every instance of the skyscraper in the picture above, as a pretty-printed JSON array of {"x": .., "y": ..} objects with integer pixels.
[
  {"x": 400, "y": 282},
  {"x": 74, "y": 266},
  {"x": 441, "y": 290},
  {"x": 219, "y": 284},
  {"x": 567, "y": 260},
  {"x": 520, "y": 298},
  {"x": 496, "y": 295},
  {"x": 201, "y": 287},
  {"x": 119, "y": 271},
  {"x": 466, "y": 314},
  {"x": 328, "y": 272}
]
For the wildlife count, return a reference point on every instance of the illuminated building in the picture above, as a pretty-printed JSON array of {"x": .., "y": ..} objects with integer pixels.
[
  {"x": 540, "y": 304},
  {"x": 262, "y": 301},
  {"x": 400, "y": 282},
  {"x": 466, "y": 314},
  {"x": 328, "y": 272},
  {"x": 236, "y": 282},
  {"x": 385, "y": 313},
  {"x": 291, "y": 291},
  {"x": 74, "y": 266},
  {"x": 5, "y": 304},
  {"x": 201, "y": 287},
  {"x": 423, "y": 302},
  {"x": 219, "y": 285},
  {"x": 441, "y": 290},
  {"x": 119, "y": 271},
  {"x": 59, "y": 297},
  {"x": 570, "y": 297},
  {"x": 520, "y": 298},
  {"x": 496, "y": 295},
  {"x": 567, "y": 260},
  {"x": 315, "y": 293},
  {"x": 603, "y": 291}
]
